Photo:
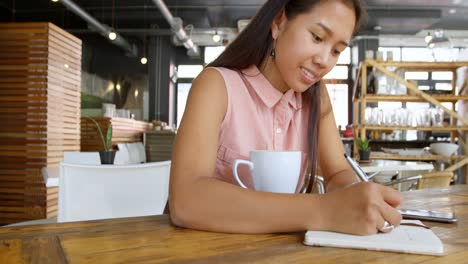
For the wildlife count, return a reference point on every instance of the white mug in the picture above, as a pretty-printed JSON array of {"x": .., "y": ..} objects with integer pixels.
[{"x": 272, "y": 171}]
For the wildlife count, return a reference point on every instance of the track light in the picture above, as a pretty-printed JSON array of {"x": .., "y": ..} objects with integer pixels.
[
  {"x": 112, "y": 35},
  {"x": 216, "y": 37}
]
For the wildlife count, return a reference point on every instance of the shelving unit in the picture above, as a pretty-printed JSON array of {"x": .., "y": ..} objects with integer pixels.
[{"x": 362, "y": 98}]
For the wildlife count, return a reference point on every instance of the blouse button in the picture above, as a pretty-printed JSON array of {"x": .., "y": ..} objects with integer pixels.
[{"x": 278, "y": 130}]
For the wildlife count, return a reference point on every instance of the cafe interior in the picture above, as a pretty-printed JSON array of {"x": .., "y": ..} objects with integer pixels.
[{"x": 92, "y": 94}]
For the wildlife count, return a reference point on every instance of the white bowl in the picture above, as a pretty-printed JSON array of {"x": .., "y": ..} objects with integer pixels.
[{"x": 444, "y": 149}]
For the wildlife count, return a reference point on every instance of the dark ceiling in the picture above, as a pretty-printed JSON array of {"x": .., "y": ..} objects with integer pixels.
[{"x": 392, "y": 16}]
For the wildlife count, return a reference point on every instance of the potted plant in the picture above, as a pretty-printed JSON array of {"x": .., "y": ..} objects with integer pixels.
[
  {"x": 108, "y": 154},
  {"x": 364, "y": 148}
]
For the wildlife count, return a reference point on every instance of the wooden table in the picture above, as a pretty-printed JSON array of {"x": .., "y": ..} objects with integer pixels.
[{"x": 154, "y": 240}]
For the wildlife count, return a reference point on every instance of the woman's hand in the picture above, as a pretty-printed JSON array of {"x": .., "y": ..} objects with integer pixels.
[{"x": 361, "y": 208}]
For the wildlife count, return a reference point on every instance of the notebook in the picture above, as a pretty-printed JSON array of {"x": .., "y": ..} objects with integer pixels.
[{"x": 406, "y": 239}]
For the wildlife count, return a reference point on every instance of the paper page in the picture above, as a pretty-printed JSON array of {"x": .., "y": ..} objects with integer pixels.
[{"x": 407, "y": 239}]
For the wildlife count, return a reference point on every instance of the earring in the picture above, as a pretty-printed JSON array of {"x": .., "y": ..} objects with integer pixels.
[{"x": 273, "y": 53}]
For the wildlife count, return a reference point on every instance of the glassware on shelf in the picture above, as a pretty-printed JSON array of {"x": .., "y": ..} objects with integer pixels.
[
  {"x": 423, "y": 118},
  {"x": 437, "y": 117}
]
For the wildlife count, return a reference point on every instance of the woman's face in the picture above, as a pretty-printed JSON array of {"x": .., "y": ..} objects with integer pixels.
[{"x": 308, "y": 46}]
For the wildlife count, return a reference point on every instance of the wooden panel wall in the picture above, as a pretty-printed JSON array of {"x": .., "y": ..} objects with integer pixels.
[
  {"x": 125, "y": 130},
  {"x": 40, "y": 85}
]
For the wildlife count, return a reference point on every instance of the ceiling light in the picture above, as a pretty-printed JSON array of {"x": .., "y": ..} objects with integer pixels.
[
  {"x": 428, "y": 37},
  {"x": 136, "y": 93},
  {"x": 378, "y": 28},
  {"x": 144, "y": 60},
  {"x": 55, "y": 0},
  {"x": 117, "y": 87},
  {"x": 216, "y": 37},
  {"x": 66, "y": 66},
  {"x": 452, "y": 11},
  {"x": 112, "y": 35}
]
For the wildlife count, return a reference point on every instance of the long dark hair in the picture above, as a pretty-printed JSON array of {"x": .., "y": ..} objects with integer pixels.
[{"x": 253, "y": 46}]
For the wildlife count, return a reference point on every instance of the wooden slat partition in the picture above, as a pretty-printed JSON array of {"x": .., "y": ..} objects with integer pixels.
[
  {"x": 40, "y": 87},
  {"x": 125, "y": 130},
  {"x": 159, "y": 145}
]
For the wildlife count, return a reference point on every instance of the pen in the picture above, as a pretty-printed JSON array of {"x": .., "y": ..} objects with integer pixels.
[{"x": 360, "y": 173}]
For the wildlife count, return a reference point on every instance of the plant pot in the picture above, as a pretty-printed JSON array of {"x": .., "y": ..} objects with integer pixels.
[
  {"x": 364, "y": 154},
  {"x": 107, "y": 156}
]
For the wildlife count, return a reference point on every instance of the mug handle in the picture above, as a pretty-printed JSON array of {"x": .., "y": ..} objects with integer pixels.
[{"x": 234, "y": 170}]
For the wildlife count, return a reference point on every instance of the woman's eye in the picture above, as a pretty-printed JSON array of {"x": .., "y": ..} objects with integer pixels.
[
  {"x": 336, "y": 52},
  {"x": 316, "y": 37}
]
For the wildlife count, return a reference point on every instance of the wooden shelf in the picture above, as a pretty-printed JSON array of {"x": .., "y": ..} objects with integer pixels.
[
  {"x": 439, "y": 129},
  {"x": 416, "y": 65},
  {"x": 388, "y": 156},
  {"x": 407, "y": 98}
]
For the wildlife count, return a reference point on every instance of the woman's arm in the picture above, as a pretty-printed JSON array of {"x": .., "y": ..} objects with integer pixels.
[{"x": 199, "y": 200}]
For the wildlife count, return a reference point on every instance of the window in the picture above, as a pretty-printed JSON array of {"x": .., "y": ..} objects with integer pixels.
[
  {"x": 396, "y": 53},
  {"x": 443, "y": 86},
  {"x": 442, "y": 76},
  {"x": 338, "y": 72},
  {"x": 182, "y": 94},
  {"x": 211, "y": 53},
  {"x": 416, "y": 54},
  {"x": 339, "y": 100},
  {"x": 416, "y": 75},
  {"x": 188, "y": 71},
  {"x": 345, "y": 56}
]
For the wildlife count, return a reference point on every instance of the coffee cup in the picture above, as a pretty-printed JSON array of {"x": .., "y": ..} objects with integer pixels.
[{"x": 272, "y": 171}]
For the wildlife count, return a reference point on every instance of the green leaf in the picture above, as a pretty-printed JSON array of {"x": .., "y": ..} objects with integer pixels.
[
  {"x": 109, "y": 137},
  {"x": 363, "y": 144},
  {"x": 105, "y": 142}
]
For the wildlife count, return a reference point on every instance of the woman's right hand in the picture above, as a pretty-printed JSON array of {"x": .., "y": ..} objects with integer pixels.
[{"x": 361, "y": 208}]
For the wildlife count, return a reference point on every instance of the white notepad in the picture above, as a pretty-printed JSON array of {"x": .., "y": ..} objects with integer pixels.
[{"x": 406, "y": 239}]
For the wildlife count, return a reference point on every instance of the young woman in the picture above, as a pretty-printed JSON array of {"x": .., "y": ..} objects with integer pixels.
[{"x": 264, "y": 92}]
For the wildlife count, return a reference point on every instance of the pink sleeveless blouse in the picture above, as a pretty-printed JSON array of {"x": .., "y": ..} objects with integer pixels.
[{"x": 259, "y": 117}]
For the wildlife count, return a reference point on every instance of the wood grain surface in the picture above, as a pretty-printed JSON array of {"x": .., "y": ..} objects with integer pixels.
[
  {"x": 40, "y": 87},
  {"x": 154, "y": 240}
]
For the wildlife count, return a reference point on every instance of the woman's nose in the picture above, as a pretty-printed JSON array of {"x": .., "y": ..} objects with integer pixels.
[{"x": 320, "y": 58}]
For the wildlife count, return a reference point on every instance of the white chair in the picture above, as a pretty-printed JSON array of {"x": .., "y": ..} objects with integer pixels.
[
  {"x": 81, "y": 157},
  {"x": 88, "y": 192},
  {"x": 136, "y": 152},
  {"x": 122, "y": 156},
  {"x": 130, "y": 153}
]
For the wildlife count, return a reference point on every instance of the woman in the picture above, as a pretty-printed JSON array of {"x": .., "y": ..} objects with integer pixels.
[{"x": 264, "y": 92}]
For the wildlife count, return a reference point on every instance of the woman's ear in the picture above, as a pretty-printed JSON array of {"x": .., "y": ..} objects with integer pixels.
[{"x": 278, "y": 24}]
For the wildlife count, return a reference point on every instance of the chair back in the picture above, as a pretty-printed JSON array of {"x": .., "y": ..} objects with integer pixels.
[{"x": 88, "y": 192}]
